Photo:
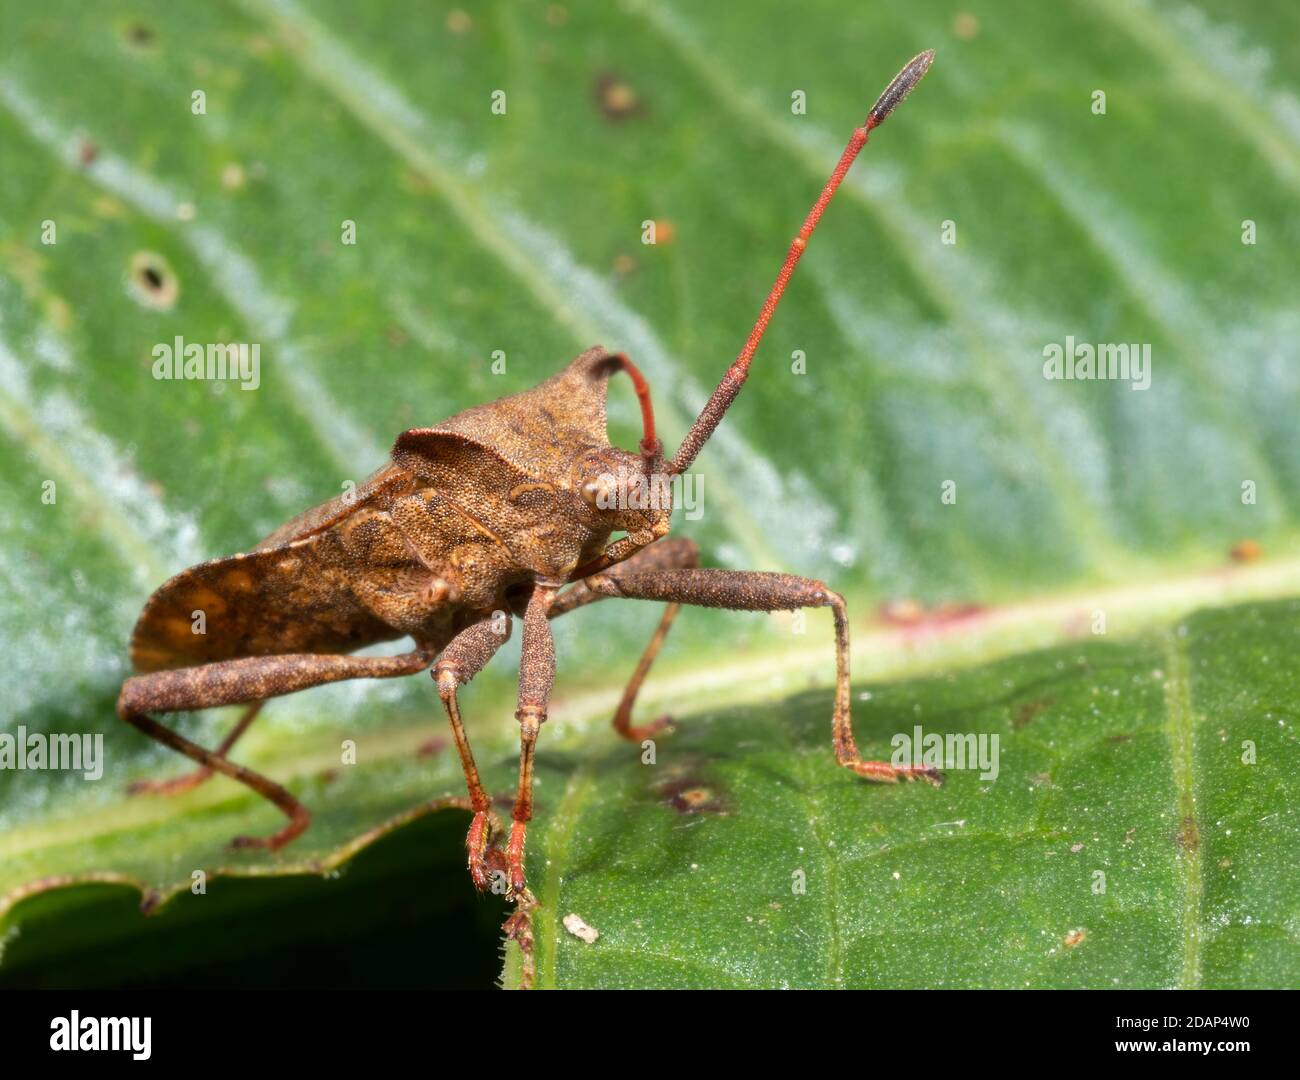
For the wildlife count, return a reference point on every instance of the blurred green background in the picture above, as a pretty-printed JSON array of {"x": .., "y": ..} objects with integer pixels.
[{"x": 521, "y": 233}]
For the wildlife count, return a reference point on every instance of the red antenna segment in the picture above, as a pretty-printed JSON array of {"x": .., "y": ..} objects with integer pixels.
[{"x": 717, "y": 405}]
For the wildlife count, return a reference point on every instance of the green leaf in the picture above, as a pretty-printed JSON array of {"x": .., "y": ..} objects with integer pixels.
[
  {"x": 521, "y": 233},
  {"x": 1133, "y": 825}
]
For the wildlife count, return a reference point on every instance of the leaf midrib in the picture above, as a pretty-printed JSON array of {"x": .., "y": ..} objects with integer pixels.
[{"x": 1180, "y": 731}]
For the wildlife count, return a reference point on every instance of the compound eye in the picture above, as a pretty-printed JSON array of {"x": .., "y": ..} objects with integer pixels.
[{"x": 599, "y": 492}]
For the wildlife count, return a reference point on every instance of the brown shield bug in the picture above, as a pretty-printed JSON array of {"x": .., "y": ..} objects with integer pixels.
[{"x": 504, "y": 511}]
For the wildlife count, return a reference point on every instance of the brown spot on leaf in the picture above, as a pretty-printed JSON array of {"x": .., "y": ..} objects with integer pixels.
[
  {"x": 1245, "y": 551},
  {"x": 1028, "y": 711},
  {"x": 615, "y": 98},
  {"x": 139, "y": 35},
  {"x": 1074, "y": 937},
  {"x": 87, "y": 151},
  {"x": 690, "y": 795},
  {"x": 1189, "y": 835}
]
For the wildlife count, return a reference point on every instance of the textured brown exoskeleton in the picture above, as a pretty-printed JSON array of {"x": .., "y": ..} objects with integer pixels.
[{"x": 506, "y": 509}]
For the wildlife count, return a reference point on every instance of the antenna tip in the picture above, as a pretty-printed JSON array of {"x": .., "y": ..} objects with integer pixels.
[{"x": 900, "y": 87}]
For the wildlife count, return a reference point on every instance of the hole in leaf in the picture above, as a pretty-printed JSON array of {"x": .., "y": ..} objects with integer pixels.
[{"x": 153, "y": 282}]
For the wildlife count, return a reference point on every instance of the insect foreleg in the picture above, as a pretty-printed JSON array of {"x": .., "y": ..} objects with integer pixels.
[
  {"x": 536, "y": 678},
  {"x": 747, "y": 590},
  {"x": 467, "y": 655}
]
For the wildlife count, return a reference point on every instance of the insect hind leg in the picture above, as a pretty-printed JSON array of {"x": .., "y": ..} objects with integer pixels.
[
  {"x": 678, "y": 553},
  {"x": 178, "y": 785},
  {"x": 247, "y": 681}
]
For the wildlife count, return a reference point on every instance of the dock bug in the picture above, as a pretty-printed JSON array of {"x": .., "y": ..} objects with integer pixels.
[{"x": 504, "y": 511}]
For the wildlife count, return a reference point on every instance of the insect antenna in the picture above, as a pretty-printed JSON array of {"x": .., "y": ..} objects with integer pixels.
[
  {"x": 717, "y": 405},
  {"x": 649, "y": 446}
]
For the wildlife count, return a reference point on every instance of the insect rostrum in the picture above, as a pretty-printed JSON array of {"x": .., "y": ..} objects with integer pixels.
[{"x": 503, "y": 511}]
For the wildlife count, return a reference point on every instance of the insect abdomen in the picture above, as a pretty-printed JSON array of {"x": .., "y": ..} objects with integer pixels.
[{"x": 284, "y": 600}]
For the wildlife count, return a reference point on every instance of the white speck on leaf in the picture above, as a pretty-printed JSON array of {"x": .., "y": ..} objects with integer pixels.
[{"x": 577, "y": 926}]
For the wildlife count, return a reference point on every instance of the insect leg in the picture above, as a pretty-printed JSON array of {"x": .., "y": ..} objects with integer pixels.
[
  {"x": 623, "y": 714},
  {"x": 248, "y": 680},
  {"x": 178, "y": 785},
  {"x": 745, "y": 590},
  {"x": 536, "y": 677},
  {"x": 674, "y": 554},
  {"x": 467, "y": 655}
]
